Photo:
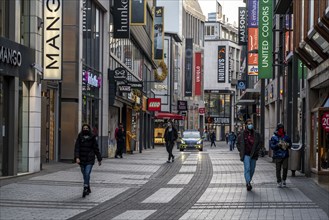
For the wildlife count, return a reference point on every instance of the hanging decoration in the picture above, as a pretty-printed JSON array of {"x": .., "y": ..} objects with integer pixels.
[{"x": 164, "y": 72}]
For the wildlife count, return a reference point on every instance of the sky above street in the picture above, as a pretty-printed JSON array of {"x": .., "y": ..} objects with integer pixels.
[{"x": 229, "y": 8}]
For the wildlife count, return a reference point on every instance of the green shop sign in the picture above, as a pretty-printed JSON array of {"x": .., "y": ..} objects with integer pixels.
[{"x": 265, "y": 58}]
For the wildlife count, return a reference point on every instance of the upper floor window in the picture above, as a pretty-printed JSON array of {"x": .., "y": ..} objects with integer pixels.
[{"x": 210, "y": 30}]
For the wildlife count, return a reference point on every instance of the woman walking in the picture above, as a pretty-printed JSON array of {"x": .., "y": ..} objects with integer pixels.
[{"x": 86, "y": 148}]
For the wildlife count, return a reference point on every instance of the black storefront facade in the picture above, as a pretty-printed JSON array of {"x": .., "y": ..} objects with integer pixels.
[{"x": 16, "y": 75}]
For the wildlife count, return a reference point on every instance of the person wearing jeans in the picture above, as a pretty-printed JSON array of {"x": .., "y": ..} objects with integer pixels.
[
  {"x": 85, "y": 151},
  {"x": 280, "y": 144},
  {"x": 249, "y": 144}
]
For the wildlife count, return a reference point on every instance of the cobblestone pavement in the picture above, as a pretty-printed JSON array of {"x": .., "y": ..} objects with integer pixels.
[{"x": 198, "y": 185}]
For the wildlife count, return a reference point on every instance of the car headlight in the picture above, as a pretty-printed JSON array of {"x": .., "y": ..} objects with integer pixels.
[
  {"x": 199, "y": 142},
  {"x": 182, "y": 141}
]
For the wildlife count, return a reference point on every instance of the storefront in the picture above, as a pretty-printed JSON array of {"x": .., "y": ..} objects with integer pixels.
[
  {"x": 218, "y": 113},
  {"x": 16, "y": 78},
  {"x": 319, "y": 157}
]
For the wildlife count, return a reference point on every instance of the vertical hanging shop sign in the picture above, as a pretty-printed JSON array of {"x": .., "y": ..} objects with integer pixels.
[
  {"x": 121, "y": 27},
  {"x": 198, "y": 74},
  {"x": 158, "y": 32},
  {"x": 52, "y": 42},
  {"x": 242, "y": 26},
  {"x": 252, "y": 37},
  {"x": 138, "y": 12},
  {"x": 221, "y": 63},
  {"x": 188, "y": 66},
  {"x": 265, "y": 58}
]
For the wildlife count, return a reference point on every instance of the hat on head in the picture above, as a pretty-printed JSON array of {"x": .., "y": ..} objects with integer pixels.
[{"x": 280, "y": 125}]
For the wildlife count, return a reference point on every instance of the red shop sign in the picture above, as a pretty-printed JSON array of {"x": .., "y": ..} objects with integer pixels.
[
  {"x": 154, "y": 104},
  {"x": 202, "y": 110},
  {"x": 325, "y": 121}
]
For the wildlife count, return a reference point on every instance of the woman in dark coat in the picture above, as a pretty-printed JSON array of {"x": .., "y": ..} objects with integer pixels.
[{"x": 86, "y": 148}]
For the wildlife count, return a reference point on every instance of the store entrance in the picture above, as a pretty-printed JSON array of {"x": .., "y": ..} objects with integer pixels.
[{"x": 2, "y": 124}]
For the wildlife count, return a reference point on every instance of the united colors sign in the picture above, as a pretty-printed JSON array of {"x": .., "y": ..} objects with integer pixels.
[{"x": 265, "y": 58}]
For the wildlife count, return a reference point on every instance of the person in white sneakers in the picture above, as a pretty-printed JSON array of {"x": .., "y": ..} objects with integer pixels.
[{"x": 280, "y": 144}]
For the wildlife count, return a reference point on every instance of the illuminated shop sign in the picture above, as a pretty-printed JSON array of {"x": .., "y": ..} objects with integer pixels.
[
  {"x": 91, "y": 79},
  {"x": 52, "y": 42}
]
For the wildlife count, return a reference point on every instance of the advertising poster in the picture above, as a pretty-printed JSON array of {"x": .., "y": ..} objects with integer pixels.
[{"x": 158, "y": 34}]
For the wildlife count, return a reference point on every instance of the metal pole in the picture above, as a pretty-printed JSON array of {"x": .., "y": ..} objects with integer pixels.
[{"x": 262, "y": 109}]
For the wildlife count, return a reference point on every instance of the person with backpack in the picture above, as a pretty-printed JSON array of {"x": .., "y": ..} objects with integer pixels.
[
  {"x": 280, "y": 144},
  {"x": 85, "y": 150}
]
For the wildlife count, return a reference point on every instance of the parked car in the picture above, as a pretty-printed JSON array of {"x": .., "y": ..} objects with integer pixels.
[{"x": 191, "y": 139}]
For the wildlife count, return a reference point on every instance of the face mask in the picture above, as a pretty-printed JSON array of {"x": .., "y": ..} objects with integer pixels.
[
  {"x": 250, "y": 127},
  {"x": 85, "y": 132}
]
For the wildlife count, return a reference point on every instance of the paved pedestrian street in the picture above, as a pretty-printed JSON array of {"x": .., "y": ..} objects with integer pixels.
[{"x": 198, "y": 185}]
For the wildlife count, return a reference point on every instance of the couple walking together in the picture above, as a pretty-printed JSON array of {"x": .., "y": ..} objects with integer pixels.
[{"x": 250, "y": 143}]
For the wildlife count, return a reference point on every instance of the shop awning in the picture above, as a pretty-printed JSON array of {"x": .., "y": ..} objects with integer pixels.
[{"x": 168, "y": 115}]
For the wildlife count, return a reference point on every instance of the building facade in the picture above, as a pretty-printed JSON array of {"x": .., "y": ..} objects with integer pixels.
[
  {"x": 20, "y": 88},
  {"x": 222, "y": 70}
]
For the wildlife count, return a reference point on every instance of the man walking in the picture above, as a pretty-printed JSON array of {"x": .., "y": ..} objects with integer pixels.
[
  {"x": 249, "y": 144},
  {"x": 280, "y": 144},
  {"x": 170, "y": 137},
  {"x": 232, "y": 138},
  {"x": 213, "y": 138}
]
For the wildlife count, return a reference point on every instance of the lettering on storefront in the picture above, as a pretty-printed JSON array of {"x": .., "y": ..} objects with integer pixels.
[
  {"x": 120, "y": 74},
  {"x": 242, "y": 26},
  {"x": 221, "y": 63},
  {"x": 121, "y": 19},
  {"x": 154, "y": 104},
  {"x": 218, "y": 120},
  {"x": 124, "y": 88},
  {"x": 10, "y": 56},
  {"x": 52, "y": 39}
]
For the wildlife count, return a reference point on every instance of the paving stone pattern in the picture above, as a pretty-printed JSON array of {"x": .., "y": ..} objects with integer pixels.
[{"x": 198, "y": 185}]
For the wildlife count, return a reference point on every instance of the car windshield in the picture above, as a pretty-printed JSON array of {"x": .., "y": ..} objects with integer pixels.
[{"x": 191, "y": 135}]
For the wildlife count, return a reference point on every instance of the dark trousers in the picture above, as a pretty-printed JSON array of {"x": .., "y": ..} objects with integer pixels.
[
  {"x": 169, "y": 147},
  {"x": 213, "y": 143},
  {"x": 284, "y": 164},
  {"x": 120, "y": 147}
]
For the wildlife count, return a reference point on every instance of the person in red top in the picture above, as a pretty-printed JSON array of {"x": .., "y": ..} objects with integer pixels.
[{"x": 249, "y": 143}]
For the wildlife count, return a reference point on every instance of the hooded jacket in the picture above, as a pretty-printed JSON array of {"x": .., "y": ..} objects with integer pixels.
[
  {"x": 86, "y": 148},
  {"x": 278, "y": 151}
]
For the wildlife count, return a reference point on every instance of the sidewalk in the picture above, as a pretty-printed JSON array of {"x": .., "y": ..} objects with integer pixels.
[{"x": 198, "y": 185}]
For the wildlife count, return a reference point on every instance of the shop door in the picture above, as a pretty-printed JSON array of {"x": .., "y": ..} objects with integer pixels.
[
  {"x": 50, "y": 141},
  {"x": 2, "y": 125}
]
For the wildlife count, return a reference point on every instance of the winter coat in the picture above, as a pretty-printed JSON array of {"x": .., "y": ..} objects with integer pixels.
[
  {"x": 120, "y": 135},
  {"x": 278, "y": 151},
  {"x": 232, "y": 137},
  {"x": 255, "y": 148},
  {"x": 172, "y": 136},
  {"x": 86, "y": 148}
]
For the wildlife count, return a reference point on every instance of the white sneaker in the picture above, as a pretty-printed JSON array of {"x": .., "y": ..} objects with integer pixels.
[
  {"x": 279, "y": 184},
  {"x": 284, "y": 183}
]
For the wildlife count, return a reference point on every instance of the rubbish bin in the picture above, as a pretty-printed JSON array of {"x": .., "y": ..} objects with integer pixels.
[
  {"x": 132, "y": 145},
  {"x": 294, "y": 162}
]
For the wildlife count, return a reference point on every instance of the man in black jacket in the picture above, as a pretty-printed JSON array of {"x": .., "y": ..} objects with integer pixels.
[
  {"x": 86, "y": 148},
  {"x": 170, "y": 137}
]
